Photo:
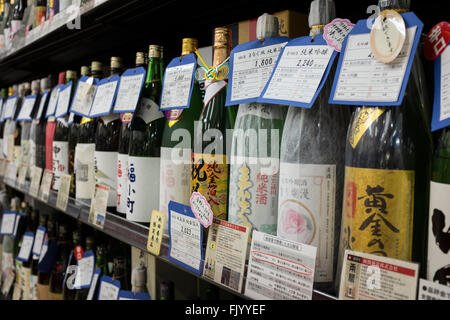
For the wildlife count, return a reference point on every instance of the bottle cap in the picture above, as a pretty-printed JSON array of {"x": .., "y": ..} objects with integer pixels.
[
  {"x": 62, "y": 77},
  {"x": 71, "y": 74},
  {"x": 45, "y": 83},
  {"x": 140, "y": 58},
  {"x": 116, "y": 62},
  {"x": 394, "y": 4},
  {"x": 27, "y": 86},
  {"x": 322, "y": 12},
  {"x": 85, "y": 71},
  {"x": 267, "y": 26},
  {"x": 154, "y": 51},
  {"x": 189, "y": 45},
  {"x": 35, "y": 86},
  {"x": 15, "y": 89},
  {"x": 96, "y": 66}
]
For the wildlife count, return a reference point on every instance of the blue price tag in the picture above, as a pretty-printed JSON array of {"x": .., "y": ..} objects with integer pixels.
[
  {"x": 358, "y": 79},
  {"x": 27, "y": 108},
  {"x": 251, "y": 65},
  {"x": 8, "y": 223},
  {"x": 10, "y": 107},
  {"x": 178, "y": 83},
  {"x": 83, "y": 97},
  {"x": 441, "y": 113},
  {"x": 109, "y": 289},
  {"x": 130, "y": 90},
  {"x": 105, "y": 96},
  {"x": 27, "y": 245},
  {"x": 128, "y": 295},
  {"x": 51, "y": 108},
  {"x": 42, "y": 103},
  {"x": 82, "y": 268},
  {"x": 38, "y": 241},
  {"x": 309, "y": 63},
  {"x": 62, "y": 106},
  {"x": 186, "y": 238}
]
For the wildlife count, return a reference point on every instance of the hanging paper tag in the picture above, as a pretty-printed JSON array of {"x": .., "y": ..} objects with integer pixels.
[
  {"x": 429, "y": 290},
  {"x": 441, "y": 107},
  {"x": 84, "y": 95},
  {"x": 109, "y": 289},
  {"x": 51, "y": 108},
  {"x": 128, "y": 295},
  {"x": 201, "y": 209},
  {"x": 436, "y": 41},
  {"x": 27, "y": 108},
  {"x": 63, "y": 100},
  {"x": 336, "y": 31},
  {"x": 38, "y": 241},
  {"x": 362, "y": 80},
  {"x": 251, "y": 65},
  {"x": 71, "y": 118},
  {"x": 300, "y": 73},
  {"x": 63, "y": 191},
  {"x": 104, "y": 96},
  {"x": 387, "y": 36},
  {"x": 42, "y": 103},
  {"x": 229, "y": 263},
  {"x": 10, "y": 107},
  {"x": 130, "y": 90},
  {"x": 22, "y": 175},
  {"x": 280, "y": 269},
  {"x": 99, "y": 203},
  {"x": 155, "y": 232},
  {"x": 85, "y": 271},
  {"x": 44, "y": 191},
  {"x": 93, "y": 284},
  {"x": 27, "y": 245},
  {"x": 186, "y": 236},
  {"x": 8, "y": 223},
  {"x": 178, "y": 83},
  {"x": 36, "y": 174},
  {"x": 16, "y": 224}
]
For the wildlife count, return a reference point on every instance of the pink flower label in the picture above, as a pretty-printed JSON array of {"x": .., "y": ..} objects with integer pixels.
[
  {"x": 336, "y": 31},
  {"x": 201, "y": 209}
]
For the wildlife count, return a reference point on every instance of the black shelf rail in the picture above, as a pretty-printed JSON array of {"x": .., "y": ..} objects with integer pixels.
[{"x": 128, "y": 232}]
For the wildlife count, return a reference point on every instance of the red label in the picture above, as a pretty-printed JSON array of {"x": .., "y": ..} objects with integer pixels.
[
  {"x": 49, "y": 134},
  {"x": 78, "y": 252},
  {"x": 350, "y": 200},
  {"x": 436, "y": 41}
]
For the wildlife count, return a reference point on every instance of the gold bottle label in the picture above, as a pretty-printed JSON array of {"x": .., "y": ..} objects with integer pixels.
[
  {"x": 378, "y": 212},
  {"x": 210, "y": 178},
  {"x": 362, "y": 122}
]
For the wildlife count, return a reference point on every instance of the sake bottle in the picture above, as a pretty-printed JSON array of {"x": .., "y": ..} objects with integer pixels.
[
  {"x": 255, "y": 154},
  {"x": 26, "y": 127},
  {"x": 312, "y": 169},
  {"x": 107, "y": 146},
  {"x": 175, "y": 154},
  {"x": 209, "y": 175},
  {"x": 387, "y": 172},
  {"x": 438, "y": 262},
  {"x": 145, "y": 146},
  {"x": 35, "y": 90},
  {"x": 18, "y": 153},
  {"x": 41, "y": 125},
  {"x": 124, "y": 145},
  {"x": 3, "y": 96}
]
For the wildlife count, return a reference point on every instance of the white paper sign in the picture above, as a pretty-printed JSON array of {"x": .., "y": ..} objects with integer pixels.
[
  {"x": 38, "y": 241},
  {"x": 93, "y": 286},
  {"x": 108, "y": 291},
  {"x": 63, "y": 192},
  {"x": 279, "y": 269},
  {"x": 84, "y": 96},
  {"x": 445, "y": 85},
  {"x": 251, "y": 70},
  {"x": 84, "y": 272},
  {"x": 99, "y": 203},
  {"x": 433, "y": 291},
  {"x": 51, "y": 108},
  {"x": 36, "y": 175},
  {"x": 299, "y": 73},
  {"x": 177, "y": 86},
  {"x": 63, "y": 101},
  {"x": 44, "y": 98},
  {"x": 103, "y": 99},
  {"x": 27, "y": 108},
  {"x": 27, "y": 245},
  {"x": 10, "y": 108},
  {"x": 129, "y": 92},
  {"x": 45, "y": 185},
  {"x": 8, "y": 222},
  {"x": 16, "y": 224}
]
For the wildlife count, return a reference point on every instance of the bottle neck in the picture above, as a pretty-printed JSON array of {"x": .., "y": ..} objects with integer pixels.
[
  {"x": 220, "y": 55},
  {"x": 316, "y": 30},
  {"x": 115, "y": 72},
  {"x": 154, "y": 74}
]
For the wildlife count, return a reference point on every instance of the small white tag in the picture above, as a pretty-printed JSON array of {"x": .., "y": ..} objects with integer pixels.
[
  {"x": 51, "y": 108},
  {"x": 25, "y": 249},
  {"x": 84, "y": 272},
  {"x": 63, "y": 192},
  {"x": 84, "y": 96},
  {"x": 99, "y": 203},
  {"x": 38, "y": 241},
  {"x": 22, "y": 175},
  {"x": 27, "y": 108},
  {"x": 104, "y": 98},
  {"x": 8, "y": 222},
  {"x": 63, "y": 101},
  {"x": 108, "y": 291},
  {"x": 36, "y": 175},
  {"x": 432, "y": 291},
  {"x": 201, "y": 209},
  {"x": 177, "y": 86},
  {"x": 45, "y": 185}
]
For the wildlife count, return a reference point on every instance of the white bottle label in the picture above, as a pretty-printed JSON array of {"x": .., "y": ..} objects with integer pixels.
[
  {"x": 143, "y": 188},
  {"x": 307, "y": 211},
  {"x": 438, "y": 234},
  {"x": 148, "y": 110},
  {"x": 105, "y": 173},
  {"x": 60, "y": 162},
  {"x": 122, "y": 180},
  {"x": 175, "y": 178},
  {"x": 254, "y": 193},
  {"x": 84, "y": 170}
]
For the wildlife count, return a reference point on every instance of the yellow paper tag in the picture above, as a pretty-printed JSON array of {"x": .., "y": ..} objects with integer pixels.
[
  {"x": 156, "y": 231},
  {"x": 363, "y": 121}
]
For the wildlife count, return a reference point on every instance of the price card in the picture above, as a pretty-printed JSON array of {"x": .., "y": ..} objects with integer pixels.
[
  {"x": 8, "y": 223},
  {"x": 225, "y": 253},
  {"x": 84, "y": 95},
  {"x": 16, "y": 224},
  {"x": 99, "y": 203},
  {"x": 22, "y": 175},
  {"x": 178, "y": 83},
  {"x": 93, "y": 284},
  {"x": 363, "y": 80},
  {"x": 27, "y": 245},
  {"x": 63, "y": 192},
  {"x": 11, "y": 171},
  {"x": 186, "y": 236},
  {"x": 128, "y": 295},
  {"x": 369, "y": 277},
  {"x": 251, "y": 65},
  {"x": 104, "y": 96},
  {"x": 42, "y": 102},
  {"x": 51, "y": 108},
  {"x": 62, "y": 106},
  {"x": 109, "y": 289},
  {"x": 27, "y": 108},
  {"x": 300, "y": 73},
  {"x": 130, "y": 89},
  {"x": 280, "y": 269},
  {"x": 10, "y": 107},
  {"x": 441, "y": 107},
  {"x": 201, "y": 209},
  {"x": 155, "y": 232},
  {"x": 38, "y": 241},
  {"x": 36, "y": 174},
  {"x": 85, "y": 270},
  {"x": 429, "y": 290},
  {"x": 44, "y": 191},
  {"x": 3, "y": 163}
]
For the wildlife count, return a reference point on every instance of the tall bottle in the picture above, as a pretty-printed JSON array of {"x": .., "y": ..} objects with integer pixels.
[
  {"x": 82, "y": 294},
  {"x": 255, "y": 156},
  {"x": 3, "y": 17},
  {"x": 3, "y": 96},
  {"x": 69, "y": 278},
  {"x": 312, "y": 169},
  {"x": 40, "y": 11},
  {"x": 107, "y": 146},
  {"x": 32, "y": 224},
  {"x": 386, "y": 188},
  {"x": 47, "y": 258},
  {"x": 175, "y": 174},
  {"x": 438, "y": 266},
  {"x": 35, "y": 89},
  {"x": 57, "y": 275},
  {"x": 85, "y": 149},
  {"x": 26, "y": 128},
  {"x": 17, "y": 126},
  {"x": 19, "y": 269},
  {"x": 41, "y": 126},
  {"x": 7, "y": 23},
  {"x": 52, "y": 9},
  {"x": 145, "y": 146},
  {"x": 209, "y": 167},
  {"x": 119, "y": 253},
  {"x": 34, "y": 264},
  {"x": 17, "y": 16},
  {"x": 60, "y": 154},
  {"x": 124, "y": 146}
]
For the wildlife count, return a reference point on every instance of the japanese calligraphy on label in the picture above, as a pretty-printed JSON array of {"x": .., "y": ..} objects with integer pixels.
[
  {"x": 436, "y": 41},
  {"x": 8, "y": 222},
  {"x": 432, "y": 291},
  {"x": 155, "y": 232},
  {"x": 27, "y": 245},
  {"x": 22, "y": 175},
  {"x": 109, "y": 289},
  {"x": 201, "y": 209},
  {"x": 336, "y": 31},
  {"x": 84, "y": 96}
]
